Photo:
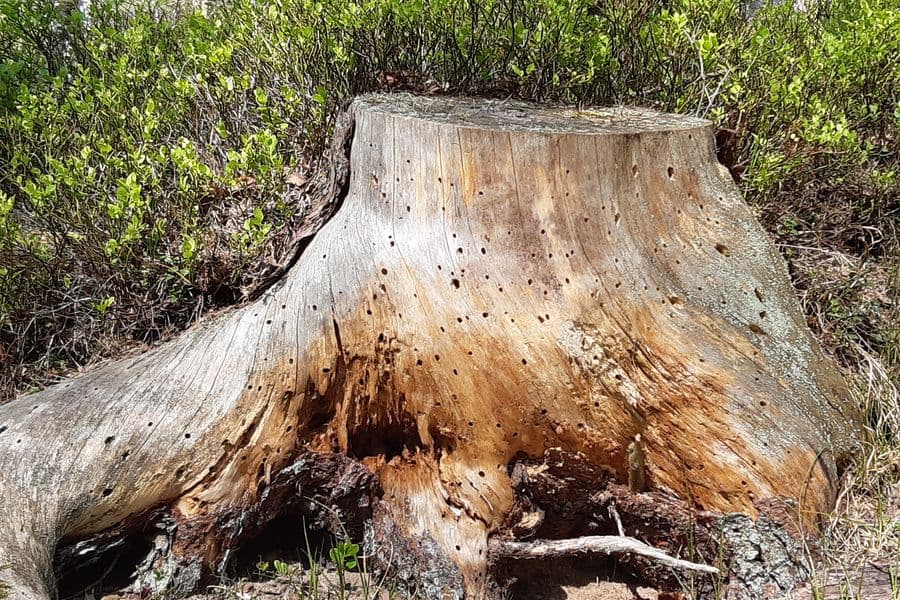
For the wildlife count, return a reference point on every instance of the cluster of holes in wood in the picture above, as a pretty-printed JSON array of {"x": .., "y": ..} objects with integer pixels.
[
  {"x": 455, "y": 283},
  {"x": 670, "y": 172}
]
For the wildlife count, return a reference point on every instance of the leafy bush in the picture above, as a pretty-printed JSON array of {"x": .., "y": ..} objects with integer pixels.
[{"x": 150, "y": 154}]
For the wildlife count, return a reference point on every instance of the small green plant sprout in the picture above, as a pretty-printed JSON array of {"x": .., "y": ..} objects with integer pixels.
[
  {"x": 345, "y": 557},
  {"x": 282, "y": 569},
  {"x": 104, "y": 305},
  {"x": 895, "y": 583},
  {"x": 277, "y": 567}
]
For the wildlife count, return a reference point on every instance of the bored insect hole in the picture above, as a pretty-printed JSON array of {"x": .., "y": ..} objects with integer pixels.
[
  {"x": 455, "y": 283},
  {"x": 671, "y": 172},
  {"x": 723, "y": 250}
]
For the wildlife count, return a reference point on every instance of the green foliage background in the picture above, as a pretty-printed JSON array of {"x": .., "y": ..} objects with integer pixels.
[{"x": 145, "y": 148}]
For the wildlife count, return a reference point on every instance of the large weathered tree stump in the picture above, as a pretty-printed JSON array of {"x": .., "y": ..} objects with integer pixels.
[{"x": 501, "y": 280}]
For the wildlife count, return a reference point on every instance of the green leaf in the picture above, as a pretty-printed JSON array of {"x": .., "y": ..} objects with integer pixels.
[
  {"x": 319, "y": 96},
  {"x": 189, "y": 248}
]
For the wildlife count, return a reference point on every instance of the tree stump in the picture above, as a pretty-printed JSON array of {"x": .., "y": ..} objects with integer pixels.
[{"x": 501, "y": 283}]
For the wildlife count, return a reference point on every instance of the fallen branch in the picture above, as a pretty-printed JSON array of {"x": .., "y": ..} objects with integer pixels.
[{"x": 601, "y": 544}]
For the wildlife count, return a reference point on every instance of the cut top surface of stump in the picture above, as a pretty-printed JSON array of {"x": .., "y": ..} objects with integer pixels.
[{"x": 511, "y": 115}]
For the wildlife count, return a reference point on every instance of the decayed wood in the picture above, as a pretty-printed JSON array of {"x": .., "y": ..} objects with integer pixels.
[
  {"x": 562, "y": 496},
  {"x": 500, "y": 279}
]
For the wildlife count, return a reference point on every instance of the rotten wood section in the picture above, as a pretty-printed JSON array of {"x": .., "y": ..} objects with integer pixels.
[
  {"x": 564, "y": 510},
  {"x": 500, "y": 280}
]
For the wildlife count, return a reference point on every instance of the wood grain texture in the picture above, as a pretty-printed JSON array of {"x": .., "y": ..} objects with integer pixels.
[{"x": 501, "y": 279}]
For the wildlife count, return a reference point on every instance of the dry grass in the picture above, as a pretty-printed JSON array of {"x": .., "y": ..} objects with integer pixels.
[
  {"x": 843, "y": 251},
  {"x": 865, "y": 525}
]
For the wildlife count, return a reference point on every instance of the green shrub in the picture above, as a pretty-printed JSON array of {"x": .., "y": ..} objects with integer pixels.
[{"x": 144, "y": 152}]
